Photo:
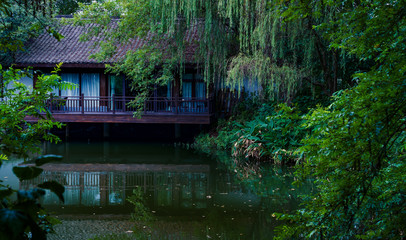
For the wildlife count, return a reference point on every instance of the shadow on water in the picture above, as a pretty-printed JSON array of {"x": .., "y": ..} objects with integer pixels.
[{"x": 177, "y": 184}]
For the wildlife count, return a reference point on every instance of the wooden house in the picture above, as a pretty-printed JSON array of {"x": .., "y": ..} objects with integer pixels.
[{"x": 104, "y": 98}]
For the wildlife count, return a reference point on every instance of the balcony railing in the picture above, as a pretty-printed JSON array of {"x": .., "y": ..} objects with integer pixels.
[{"x": 113, "y": 104}]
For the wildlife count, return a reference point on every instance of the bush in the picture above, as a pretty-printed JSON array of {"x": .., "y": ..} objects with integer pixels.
[
  {"x": 275, "y": 138},
  {"x": 272, "y": 133}
]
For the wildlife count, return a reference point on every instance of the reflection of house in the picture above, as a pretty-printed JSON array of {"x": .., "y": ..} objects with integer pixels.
[
  {"x": 165, "y": 186},
  {"x": 101, "y": 97}
]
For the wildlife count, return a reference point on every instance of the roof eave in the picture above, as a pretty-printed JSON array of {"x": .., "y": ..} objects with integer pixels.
[{"x": 64, "y": 65}]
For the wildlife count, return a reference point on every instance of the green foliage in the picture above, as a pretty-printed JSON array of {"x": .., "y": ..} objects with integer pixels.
[
  {"x": 224, "y": 137},
  {"x": 151, "y": 65},
  {"x": 54, "y": 187},
  {"x": 276, "y": 137},
  {"x": 237, "y": 42},
  {"x": 22, "y": 138},
  {"x": 220, "y": 141},
  {"x": 142, "y": 215},
  {"x": 65, "y": 7},
  {"x": 270, "y": 133},
  {"x": 21, "y": 21},
  {"x": 25, "y": 214},
  {"x": 18, "y": 101},
  {"x": 147, "y": 71},
  {"x": 356, "y": 152},
  {"x": 25, "y": 173}
]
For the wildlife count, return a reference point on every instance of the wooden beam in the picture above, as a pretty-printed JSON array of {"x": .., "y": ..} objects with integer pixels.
[
  {"x": 128, "y": 118},
  {"x": 65, "y": 65}
]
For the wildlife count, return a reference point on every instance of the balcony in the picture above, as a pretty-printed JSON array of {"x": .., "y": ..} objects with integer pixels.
[{"x": 112, "y": 109}]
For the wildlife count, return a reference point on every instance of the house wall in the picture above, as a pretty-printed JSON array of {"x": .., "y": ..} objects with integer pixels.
[{"x": 25, "y": 80}]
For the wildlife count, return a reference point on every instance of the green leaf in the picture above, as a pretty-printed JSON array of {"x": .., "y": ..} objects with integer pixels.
[
  {"x": 26, "y": 173},
  {"x": 55, "y": 187},
  {"x": 41, "y": 160},
  {"x": 55, "y": 34},
  {"x": 5, "y": 193}
]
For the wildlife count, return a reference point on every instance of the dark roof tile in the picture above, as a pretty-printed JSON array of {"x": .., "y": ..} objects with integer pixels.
[{"x": 45, "y": 49}]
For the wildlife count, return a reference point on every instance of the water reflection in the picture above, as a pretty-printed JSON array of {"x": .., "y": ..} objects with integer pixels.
[
  {"x": 107, "y": 186},
  {"x": 122, "y": 153},
  {"x": 193, "y": 183},
  {"x": 99, "y": 177}
]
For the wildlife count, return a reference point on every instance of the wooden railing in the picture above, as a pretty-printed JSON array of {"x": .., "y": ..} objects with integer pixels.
[{"x": 113, "y": 104}]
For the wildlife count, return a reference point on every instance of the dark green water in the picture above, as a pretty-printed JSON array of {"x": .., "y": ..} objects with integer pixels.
[{"x": 177, "y": 185}]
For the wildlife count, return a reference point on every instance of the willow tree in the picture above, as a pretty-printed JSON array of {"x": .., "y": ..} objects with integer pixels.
[{"x": 238, "y": 41}]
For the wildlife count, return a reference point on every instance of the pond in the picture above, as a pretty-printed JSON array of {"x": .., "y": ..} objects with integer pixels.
[{"x": 176, "y": 186}]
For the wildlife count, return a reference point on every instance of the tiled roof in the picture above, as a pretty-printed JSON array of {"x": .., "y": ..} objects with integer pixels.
[{"x": 45, "y": 49}]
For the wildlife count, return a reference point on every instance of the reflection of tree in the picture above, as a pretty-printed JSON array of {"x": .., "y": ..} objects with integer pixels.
[
  {"x": 142, "y": 215},
  {"x": 274, "y": 186}
]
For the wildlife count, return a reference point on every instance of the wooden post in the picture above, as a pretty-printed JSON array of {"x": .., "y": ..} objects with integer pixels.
[
  {"x": 177, "y": 105},
  {"x": 177, "y": 131},
  {"x": 82, "y": 187},
  {"x": 51, "y": 99},
  {"x": 103, "y": 189},
  {"x": 176, "y": 92},
  {"x": 114, "y": 103},
  {"x": 67, "y": 132},
  {"x": 155, "y": 99},
  {"x": 106, "y": 130},
  {"x": 82, "y": 100}
]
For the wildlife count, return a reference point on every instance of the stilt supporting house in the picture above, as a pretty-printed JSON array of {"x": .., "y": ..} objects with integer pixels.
[
  {"x": 106, "y": 130},
  {"x": 66, "y": 131}
]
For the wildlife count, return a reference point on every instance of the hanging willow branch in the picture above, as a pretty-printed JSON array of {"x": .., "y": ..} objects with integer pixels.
[{"x": 238, "y": 39}]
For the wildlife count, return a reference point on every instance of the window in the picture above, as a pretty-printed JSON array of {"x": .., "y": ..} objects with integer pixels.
[
  {"x": 91, "y": 84},
  {"x": 86, "y": 83},
  {"x": 71, "y": 78},
  {"x": 193, "y": 86},
  {"x": 116, "y": 85}
]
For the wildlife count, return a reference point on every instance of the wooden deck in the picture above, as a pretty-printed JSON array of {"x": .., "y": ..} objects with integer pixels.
[{"x": 117, "y": 110}]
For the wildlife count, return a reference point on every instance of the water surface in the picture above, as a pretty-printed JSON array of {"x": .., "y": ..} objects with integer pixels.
[{"x": 176, "y": 184}]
